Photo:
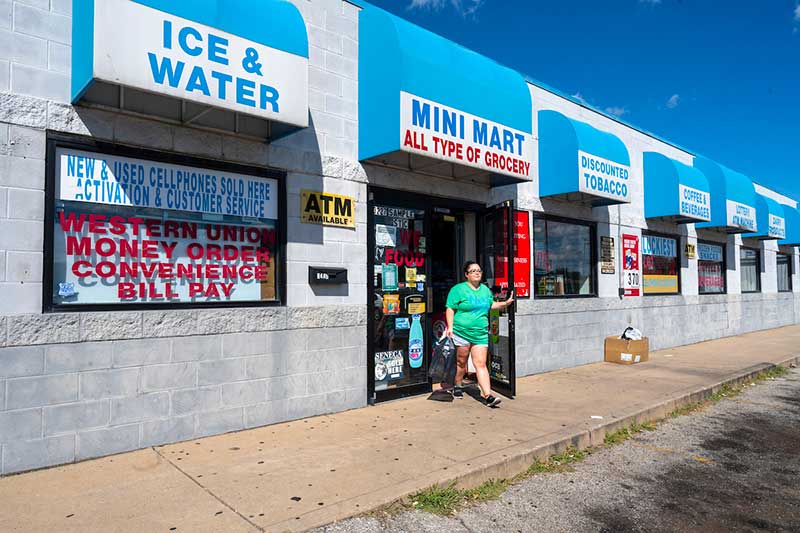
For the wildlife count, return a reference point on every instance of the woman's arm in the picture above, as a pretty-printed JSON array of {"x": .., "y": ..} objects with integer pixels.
[
  {"x": 503, "y": 305},
  {"x": 448, "y": 316}
]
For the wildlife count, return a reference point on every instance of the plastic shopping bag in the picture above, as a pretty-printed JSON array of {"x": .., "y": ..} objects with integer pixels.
[
  {"x": 444, "y": 356},
  {"x": 631, "y": 334}
]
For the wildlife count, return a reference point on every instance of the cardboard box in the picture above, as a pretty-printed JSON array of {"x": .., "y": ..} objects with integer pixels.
[{"x": 626, "y": 352}]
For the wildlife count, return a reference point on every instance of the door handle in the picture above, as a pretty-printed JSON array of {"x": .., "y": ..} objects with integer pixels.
[{"x": 429, "y": 298}]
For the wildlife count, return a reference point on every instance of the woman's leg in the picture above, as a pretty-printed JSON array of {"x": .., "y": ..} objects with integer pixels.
[
  {"x": 462, "y": 354},
  {"x": 479, "y": 354}
]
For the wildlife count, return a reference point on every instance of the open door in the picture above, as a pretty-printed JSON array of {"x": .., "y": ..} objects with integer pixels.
[
  {"x": 399, "y": 344},
  {"x": 495, "y": 238}
]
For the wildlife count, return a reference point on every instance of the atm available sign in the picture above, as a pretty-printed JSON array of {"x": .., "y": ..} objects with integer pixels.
[{"x": 327, "y": 209}]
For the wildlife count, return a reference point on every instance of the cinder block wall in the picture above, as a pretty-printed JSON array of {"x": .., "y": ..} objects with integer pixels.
[
  {"x": 81, "y": 385},
  {"x": 553, "y": 334}
]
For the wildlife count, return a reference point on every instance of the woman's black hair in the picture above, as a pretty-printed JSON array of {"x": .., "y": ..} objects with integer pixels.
[{"x": 469, "y": 264}]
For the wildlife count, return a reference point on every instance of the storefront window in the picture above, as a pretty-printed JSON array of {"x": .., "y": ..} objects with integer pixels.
[
  {"x": 751, "y": 278},
  {"x": 660, "y": 268},
  {"x": 784, "y": 272},
  {"x": 563, "y": 264},
  {"x": 711, "y": 268},
  {"x": 136, "y": 231}
]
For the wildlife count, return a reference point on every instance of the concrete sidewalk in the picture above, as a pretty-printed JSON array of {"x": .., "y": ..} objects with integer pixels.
[{"x": 310, "y": 472}]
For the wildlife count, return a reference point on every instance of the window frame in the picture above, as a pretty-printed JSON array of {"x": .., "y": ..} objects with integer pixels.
[
  {"x": 724, "y": 268},
  {"x": 678, "y": 258},
  {"x": 78, "y": 142},
  {"x": 790, "y": 264},
  {"x": 593, "y": 265},
  {"x": 758, "y": 269}
]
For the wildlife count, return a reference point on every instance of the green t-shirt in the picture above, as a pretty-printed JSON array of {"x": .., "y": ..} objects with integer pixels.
[{"x": 471, "y": 321}]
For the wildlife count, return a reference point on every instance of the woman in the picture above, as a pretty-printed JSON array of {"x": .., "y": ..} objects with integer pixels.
[{"x": 467, "y": 315}]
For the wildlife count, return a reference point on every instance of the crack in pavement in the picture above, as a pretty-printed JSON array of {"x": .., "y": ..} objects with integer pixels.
[{"x": 208, "y": 491}]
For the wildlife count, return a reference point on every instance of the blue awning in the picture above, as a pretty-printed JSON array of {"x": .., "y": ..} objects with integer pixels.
[
  {"x": 422, "y": 94},
  {"x": 277, "y": 24},
  {"x": 575, "y": 157},
  {"x": 675, "y": 191},
  {"x": 792, "y": 217},
  {"x": 733, "y": 198},
  {"x": 243, "y": 56},
  {"x": 770, "y": 218}
]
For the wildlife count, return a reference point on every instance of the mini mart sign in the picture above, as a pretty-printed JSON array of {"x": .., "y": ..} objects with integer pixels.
[{"x": 441, "y": 132}]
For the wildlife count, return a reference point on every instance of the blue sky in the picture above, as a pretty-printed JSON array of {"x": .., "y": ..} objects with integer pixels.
[{"x": 721, "y": 79}]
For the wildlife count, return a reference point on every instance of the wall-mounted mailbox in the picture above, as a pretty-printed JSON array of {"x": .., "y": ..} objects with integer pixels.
[{"x": 327, "y": 276}]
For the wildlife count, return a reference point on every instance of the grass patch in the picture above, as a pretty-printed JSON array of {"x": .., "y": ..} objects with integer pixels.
[
  {"x": 438, "y": 500},
  {"x": 557, "y": 463},
  {"x": 447, "y": 500},
  {"x": 618, "y": 437},
  {"x": 490, "y": 490},
  {"x": 774, "y": 372},
  {"x": 726, "y": 391},
  {"x": 687, "y": 409},
  {"x": 623, "y": 434}
]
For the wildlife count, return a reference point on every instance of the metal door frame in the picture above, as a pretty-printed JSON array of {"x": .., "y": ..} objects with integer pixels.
[
  {"x": 509, "y": 390},
  {"x": 383, "y": 196}
]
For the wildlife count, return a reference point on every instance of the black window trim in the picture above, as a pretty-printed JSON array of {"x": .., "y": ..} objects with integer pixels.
[
  {"x": 79, "y": 142},
  {"x": 677, "y": 239},
  {"x": 790, "y": 259},
  {"x": 593, "y": 267},
  {"x": 759, "y": 256},
  {"x": 724, "y": 247}
]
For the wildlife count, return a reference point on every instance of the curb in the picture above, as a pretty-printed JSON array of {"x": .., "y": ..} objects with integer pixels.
[{"x": 511, "y": 465}]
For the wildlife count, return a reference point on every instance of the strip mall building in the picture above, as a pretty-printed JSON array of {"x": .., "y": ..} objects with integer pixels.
[{"x": 220, "y": 215}]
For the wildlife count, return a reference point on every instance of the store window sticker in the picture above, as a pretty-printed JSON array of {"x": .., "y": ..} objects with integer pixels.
[
  {"x": 389, "y": 277},
  {"x": 385, "y": 236},
  {"x": 391, "y": 304}
]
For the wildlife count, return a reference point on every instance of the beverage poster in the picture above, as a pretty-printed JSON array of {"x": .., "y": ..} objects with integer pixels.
[
  {"x": 416, "y": 342},
  {"x": 630, "y": 265}
]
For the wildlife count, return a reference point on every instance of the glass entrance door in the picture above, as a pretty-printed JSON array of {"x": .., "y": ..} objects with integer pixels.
[
  {"x": 496, "y": 234},
  {"x": 399, "y": 319},
  {"x": 416, "y": 246}
]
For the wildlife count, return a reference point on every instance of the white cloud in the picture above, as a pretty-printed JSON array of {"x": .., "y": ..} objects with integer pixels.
[
  {"x": 579, "y": 97},
  {"x": 616, "y": 111},
  {"x": 673, "y": 101},
  {"x": 650, "y": 2},
  {"x": 464, "y": 7},
  {"x": 797, "y": 13}
]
